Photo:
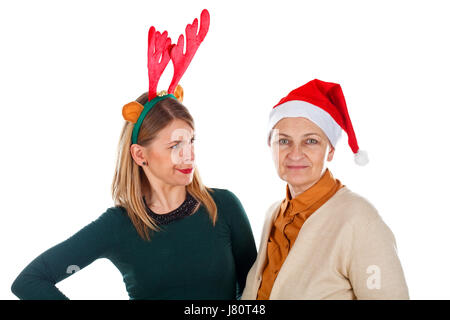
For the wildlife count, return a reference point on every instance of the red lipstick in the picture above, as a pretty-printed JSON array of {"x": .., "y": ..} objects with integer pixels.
[{"x": 185, "y": 171}]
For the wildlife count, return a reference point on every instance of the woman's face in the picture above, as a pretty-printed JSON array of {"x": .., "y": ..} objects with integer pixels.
[
  {"x": 299, "y": 149},
  {"x": 170, "y": 156}
]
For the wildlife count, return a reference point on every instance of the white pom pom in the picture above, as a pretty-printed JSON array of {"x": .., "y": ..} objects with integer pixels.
[{"x": 361, "y": 158}]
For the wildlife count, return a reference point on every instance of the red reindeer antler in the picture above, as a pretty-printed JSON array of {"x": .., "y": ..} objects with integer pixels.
[
  {"x": 181, "y": 61},
  {"x": 158, "y": 58}
]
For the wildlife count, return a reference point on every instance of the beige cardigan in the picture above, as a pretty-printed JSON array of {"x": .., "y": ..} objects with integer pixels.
[{"x": 344, "y": 250}]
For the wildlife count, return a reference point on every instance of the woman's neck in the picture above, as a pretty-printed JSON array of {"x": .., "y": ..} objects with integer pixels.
[
  {"x": 165, "y": 198},
  {"x": 296, "y": 190}
]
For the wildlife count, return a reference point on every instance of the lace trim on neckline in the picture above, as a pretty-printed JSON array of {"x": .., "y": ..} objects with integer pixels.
[{"x": 185, "y": 209}]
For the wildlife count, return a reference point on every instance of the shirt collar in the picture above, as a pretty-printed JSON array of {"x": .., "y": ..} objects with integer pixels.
[{"x": 315, "y": 193}]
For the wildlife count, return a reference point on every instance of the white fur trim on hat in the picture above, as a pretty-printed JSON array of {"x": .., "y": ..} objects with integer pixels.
[{"x": 320, "y": 117}]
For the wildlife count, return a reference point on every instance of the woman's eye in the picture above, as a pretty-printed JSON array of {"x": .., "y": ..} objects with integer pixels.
[
  {"x": 283, "y": 141},
  {"x": 311, "y": 141},
  {"x": 175, "y": 146}
]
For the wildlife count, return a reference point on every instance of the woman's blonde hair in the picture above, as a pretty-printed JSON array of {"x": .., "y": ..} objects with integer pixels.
[{"x": 129, "y": 178}]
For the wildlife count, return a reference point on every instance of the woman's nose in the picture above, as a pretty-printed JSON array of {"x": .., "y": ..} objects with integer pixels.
[
  {"x": 187, "y": 153},
  {"x": 296, "y": 152}
]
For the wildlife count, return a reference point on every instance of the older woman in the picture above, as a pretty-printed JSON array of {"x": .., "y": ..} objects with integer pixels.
[
  {"x": 322, "y": 241},
  {"x": 170, "y": 236}
]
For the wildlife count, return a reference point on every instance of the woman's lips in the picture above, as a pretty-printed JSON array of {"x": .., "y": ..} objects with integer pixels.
[
  {"x": 296, "y": 167},
  {"x": 185, "y": 171}
]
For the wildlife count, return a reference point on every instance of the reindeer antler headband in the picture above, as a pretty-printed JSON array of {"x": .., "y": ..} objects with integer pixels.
[{"x": 160, "y": 51}]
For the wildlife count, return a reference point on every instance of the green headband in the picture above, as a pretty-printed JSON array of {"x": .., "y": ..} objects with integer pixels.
[{"x": 147, "y": 106}]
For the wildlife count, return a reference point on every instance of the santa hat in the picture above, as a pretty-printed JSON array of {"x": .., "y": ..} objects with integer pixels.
[{"x": 324, "y": 104}]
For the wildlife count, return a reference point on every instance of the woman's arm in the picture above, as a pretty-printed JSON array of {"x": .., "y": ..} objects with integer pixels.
[
  {"x": 242, "y": 240},
  {"x": 38, "y": 279},
  {"x": 375, "y": 270}
]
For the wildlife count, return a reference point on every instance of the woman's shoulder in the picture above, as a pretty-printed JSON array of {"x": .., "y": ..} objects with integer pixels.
[
  {"x": 223, "y": 196},
  {"x": 114, "y": 215},
  {"x": 228, "y": 203},
  {"x": 231, "y": 213},
  {"x": 353, "y": 206},
  {"x": 358, "y": 213}
]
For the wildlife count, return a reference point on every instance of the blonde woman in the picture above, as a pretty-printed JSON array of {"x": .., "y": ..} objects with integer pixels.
[
  {"x": 170, "y": 236},
  {"x": 322, "y": 241}
]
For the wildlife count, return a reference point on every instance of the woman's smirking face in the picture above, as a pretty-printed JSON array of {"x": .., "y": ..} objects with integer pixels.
[{"x": 171, "y": 154}]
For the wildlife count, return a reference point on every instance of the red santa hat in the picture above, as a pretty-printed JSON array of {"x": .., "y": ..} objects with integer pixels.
[{"x": 324, "y": 104}]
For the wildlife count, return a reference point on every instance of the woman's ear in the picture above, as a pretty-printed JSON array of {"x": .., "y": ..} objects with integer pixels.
[
  {"x": 137, "y": 153},
  {"x": 330, "y": 153}
]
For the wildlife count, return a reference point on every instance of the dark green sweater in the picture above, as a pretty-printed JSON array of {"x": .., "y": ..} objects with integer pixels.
[{"x": 189, "y": 259}]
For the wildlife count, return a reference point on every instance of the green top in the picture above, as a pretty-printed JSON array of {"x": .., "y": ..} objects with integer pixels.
[{"x": 189, "y": 259}]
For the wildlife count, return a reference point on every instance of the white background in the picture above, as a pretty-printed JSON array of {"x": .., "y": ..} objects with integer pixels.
[{"x": 68, "y": 67}]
